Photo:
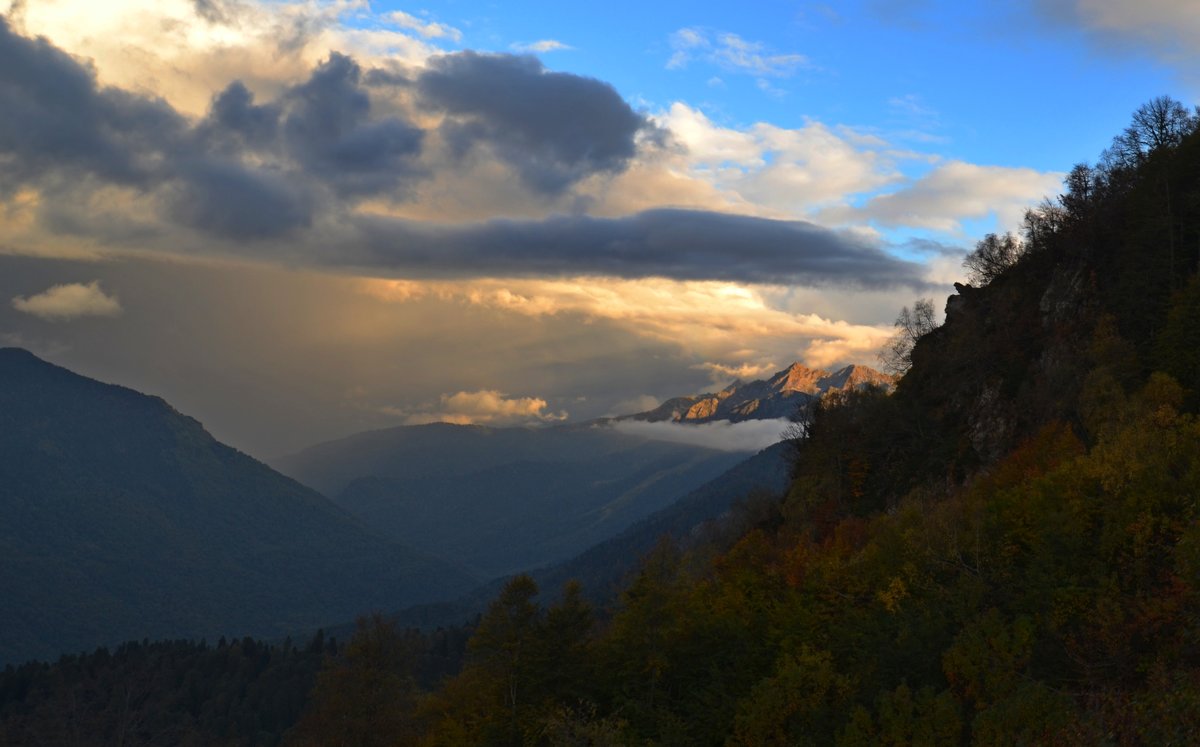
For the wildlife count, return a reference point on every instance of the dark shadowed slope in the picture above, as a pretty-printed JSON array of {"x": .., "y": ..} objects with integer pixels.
[
  {"x": 503, "y": 500},
  {"x": 605, "y": 568},
  {"x": 121, "y": 518}
]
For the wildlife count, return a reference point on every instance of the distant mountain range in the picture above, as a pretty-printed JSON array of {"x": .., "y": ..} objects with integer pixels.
[
  {"x": 502, "y": 500},
  {"x": 120, "y": 519},
  {"x": 777, "y": 397}
]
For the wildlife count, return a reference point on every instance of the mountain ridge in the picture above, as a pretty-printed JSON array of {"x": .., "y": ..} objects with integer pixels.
[
  {"x": 780, "y": 396},
  {"x": 122, "y": 518}
]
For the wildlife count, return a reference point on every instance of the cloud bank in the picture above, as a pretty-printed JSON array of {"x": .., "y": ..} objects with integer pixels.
[{"x": 749, "y": 435}]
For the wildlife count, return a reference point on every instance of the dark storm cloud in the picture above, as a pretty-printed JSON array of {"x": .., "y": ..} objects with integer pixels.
[
  {"x": 329, "y": 130},
  {"x": 235, "y": 120},
  {"x": 55, "y": 118},
  {"x": 553, "y": 128},
  {"x": 239, "y": 203},
  {"x": 246, "y": 170},
  {"x": 679, "y": 244}
]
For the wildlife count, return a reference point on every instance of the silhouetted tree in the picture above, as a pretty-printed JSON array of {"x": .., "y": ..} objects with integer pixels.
[
  {"x": 992, "y": 256},
  {"x": 911, "y": 325}
]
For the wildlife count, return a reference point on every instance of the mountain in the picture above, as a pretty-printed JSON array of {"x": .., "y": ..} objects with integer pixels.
[
  {"x": 121, "y": 518},
  {"x": 503, "y": 500},
  {"x": 777, "y": 397},
  {"x": 605, "y": 568}
]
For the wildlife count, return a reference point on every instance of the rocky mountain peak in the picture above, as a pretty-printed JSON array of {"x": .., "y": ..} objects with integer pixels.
[{"x": 777, "y": 397}]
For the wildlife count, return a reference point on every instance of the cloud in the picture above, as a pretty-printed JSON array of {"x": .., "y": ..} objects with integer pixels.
[
  {"x": 484, "y": 407},
  {"x": 184, "y": 51},
  {"x": 427, "y": 29},
  {"x": 749, "y": 435},
  {"x": 541, "y": 46},
  {"x": 57, "y": 120},
  {"x": 553, "y": 128},
  {"x": 1165, "y": 29},
  {"x": 231, "y": 201},
  {"x": 956, "y": 191},
  {"x": 722, "y": 373},
  {"x": 69, "y": 301},
  {"x": 731, "y": 53},
  {"x": 329, "y": 130},
  {"x": 678, "y": 244},
  {"x": 721, "y": 323},
  {"x": 792, "y": 171}
]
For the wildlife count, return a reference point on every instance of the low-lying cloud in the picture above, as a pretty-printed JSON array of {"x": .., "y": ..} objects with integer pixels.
[
  {"x": 748, "y": 435},
  {"x": 69, "y": 301},
  {"x": 484, "y": 407}
]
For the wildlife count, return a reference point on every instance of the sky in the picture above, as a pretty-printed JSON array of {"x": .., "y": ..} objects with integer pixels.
[{"x": 298, "y": 220}]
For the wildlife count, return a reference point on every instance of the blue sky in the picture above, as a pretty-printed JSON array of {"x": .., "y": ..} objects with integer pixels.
[
  {"x": 296, "y": 219},
  {"x": 990, "y": 83}
]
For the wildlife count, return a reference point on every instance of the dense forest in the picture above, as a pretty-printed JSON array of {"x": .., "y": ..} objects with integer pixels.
[{"x": 1004, "y": 550}]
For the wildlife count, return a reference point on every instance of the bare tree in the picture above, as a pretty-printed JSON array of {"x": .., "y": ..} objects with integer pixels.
[
  {"x": 911, "y": 325},
  {"x": 992, "y": 256},
  {"x": 1159, "y": 123}
]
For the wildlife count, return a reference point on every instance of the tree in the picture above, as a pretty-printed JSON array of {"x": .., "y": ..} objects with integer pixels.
[
  {"x": 992, "y": 256},
  {"x": 366, "y": 696},
  {"x": 1159, "y": 123},
  {"x": 911, "y": 325},
  {"x": 1081, "y": 186}
]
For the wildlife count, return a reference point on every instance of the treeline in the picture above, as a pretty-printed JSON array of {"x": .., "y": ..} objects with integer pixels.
[{"x": 239, "y": 693}]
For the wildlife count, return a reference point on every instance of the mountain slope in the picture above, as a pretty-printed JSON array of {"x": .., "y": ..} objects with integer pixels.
[
  {"x": 121, "y": 518},
  {"x": 603, "y": 569},
  {"x": 777, "y": 397},
  {"x": 504, "y": 499}
]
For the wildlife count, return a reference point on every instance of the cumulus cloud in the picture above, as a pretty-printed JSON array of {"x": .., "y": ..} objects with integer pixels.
[
  {"x": 731, "y": 53},
  {"x": 329, "y": 129},
  {"x": 553, "y": 128},
  {"x": 791, "y": 171},
  {"x": 956, "y": 191},
  {"x": 484, "y": 407},
  {"x": 749, "y": 435},
  {"x": 185, "y": 50},
  {"x": 69, "y": 301}
]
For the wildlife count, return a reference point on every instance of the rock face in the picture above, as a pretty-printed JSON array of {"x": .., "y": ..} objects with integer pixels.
[{"x": 777, "y": 397}]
